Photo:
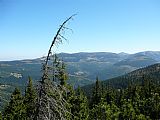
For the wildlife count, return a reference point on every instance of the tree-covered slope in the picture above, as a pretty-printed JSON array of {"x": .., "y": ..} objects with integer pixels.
[
  {"x": 136, "y": 77},
  {"x": 81, "y": 67},
  {"x": 151, "y": 72}
]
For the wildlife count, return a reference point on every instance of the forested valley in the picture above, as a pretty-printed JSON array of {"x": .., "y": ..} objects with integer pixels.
[{"x": 137, "y": 102}]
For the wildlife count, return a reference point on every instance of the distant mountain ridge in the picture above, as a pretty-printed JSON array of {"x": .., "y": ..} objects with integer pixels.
[
  {"x": 95, "y": 56},
  {"x": 137, "y": 60},
  {"x": 82, "y": 67},
  {"x": 152, "y": 54}
]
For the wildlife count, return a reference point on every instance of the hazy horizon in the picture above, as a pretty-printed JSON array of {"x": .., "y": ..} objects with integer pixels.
[
  {"x": 30, "y": 58},
  {"x": 28, "y": 27}
]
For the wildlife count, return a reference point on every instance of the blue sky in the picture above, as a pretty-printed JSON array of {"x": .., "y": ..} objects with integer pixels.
[{"x": 28, "y": 26}]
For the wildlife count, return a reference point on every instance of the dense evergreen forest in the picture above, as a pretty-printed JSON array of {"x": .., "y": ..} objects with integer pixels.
[{"x": 136, "y": 102}]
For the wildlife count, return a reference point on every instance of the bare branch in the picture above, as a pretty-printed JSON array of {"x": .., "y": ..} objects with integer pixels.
[
  {"x": 63, "y": 37},
  {"x": 56, "y": 39}
]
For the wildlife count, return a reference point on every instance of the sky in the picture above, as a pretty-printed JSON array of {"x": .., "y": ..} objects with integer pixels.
[{"x": 27, "y": 27}]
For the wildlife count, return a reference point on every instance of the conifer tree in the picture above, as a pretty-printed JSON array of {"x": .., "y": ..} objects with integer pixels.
[
  {"x": 30, "y": 99},
  {"x": 16, "y": 109},
  {"x": 79, "y": 107},
  {"x": 101, "y": 111},
  {"x": 104, "y": 111},
  {"x": 0, "y": 116},
  {"x": 97, "y": 94},
  {"x": 127, "y": 111},
  {"x": 62, "y": 74}
]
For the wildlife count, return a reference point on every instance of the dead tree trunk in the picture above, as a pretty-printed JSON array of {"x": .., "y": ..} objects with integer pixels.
[{"x": 50, "y": 102}]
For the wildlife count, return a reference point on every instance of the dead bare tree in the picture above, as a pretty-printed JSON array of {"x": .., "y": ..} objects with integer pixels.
[{"x": 50, "y": 102}]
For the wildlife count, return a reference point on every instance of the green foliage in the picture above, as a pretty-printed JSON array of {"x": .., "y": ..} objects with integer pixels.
[
  {"x": 136, "y": 102},
  {"x": 140, "y": 117},
  {"x": 125, "y": 101},
  {"x": 62, "y": 74},
  {"x": 0, "y": 116},
  {"x": 104, "y": 111},
  {"x": 97, "y": 93},
  {"x": 100, "y": 111},
  {"x": 127, "y": 111},
  {"x": 79, "y": 107},
  {"x": 21, "y": 107},
  {"x": 16, "y": 109},
  {"x": 30, "y": 99}
]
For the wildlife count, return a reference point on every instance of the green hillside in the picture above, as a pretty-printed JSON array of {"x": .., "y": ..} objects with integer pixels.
[
  {"x": 136, "y": 77},
  {"x": 84, "y": 66}
]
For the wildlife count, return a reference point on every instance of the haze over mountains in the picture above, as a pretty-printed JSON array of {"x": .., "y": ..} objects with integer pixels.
[{"x": 82, "y": 67}]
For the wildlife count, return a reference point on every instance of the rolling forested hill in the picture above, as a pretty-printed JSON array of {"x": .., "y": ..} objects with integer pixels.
[
  {"x": 137, "y": 77},
  {"x": 81, "y": 67}
]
